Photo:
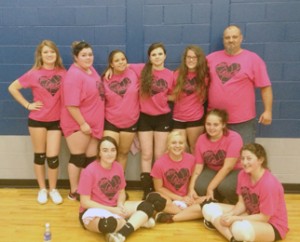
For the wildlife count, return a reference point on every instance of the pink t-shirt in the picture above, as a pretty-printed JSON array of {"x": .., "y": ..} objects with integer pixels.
[
  {"x": 189, "y": 107},
  {"x": 174, "y": 174},
  {"x": 122, "y": 99},
  {"x": 265, "y": 196},
  {"x": 86, "y": 92},
  {"x": 162, "y": 86},
  {"x": 102, "y": 185},
  {"x": 45, "y": 86},
  {"x": 233, "y": 80},
  {"x": 213, "y": 154}
]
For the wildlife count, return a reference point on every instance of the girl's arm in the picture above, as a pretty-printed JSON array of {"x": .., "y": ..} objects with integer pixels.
[
  {"x": 14, "y": 89},
  {"x": 158, "y": 185},
  {"x": 228, "y": 165},
  {"x": 197, "y": 171},
  {"x": 77, "y": 116}
]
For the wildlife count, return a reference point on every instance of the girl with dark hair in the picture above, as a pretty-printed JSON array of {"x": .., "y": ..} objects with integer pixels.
[
  {"x": 260, "y": 213},
  {"x": 45, "y": 79},
  {"x": 217, "y": 159},
  {"x": 156, "y": 83},
  {"x": 82, "y": 117},
  {"x": 103, "y": 208},
  {"x": 121, "y": 104}
]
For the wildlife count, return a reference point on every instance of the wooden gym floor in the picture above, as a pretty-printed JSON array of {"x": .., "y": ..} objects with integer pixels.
[{"x": 22, "y": 220}]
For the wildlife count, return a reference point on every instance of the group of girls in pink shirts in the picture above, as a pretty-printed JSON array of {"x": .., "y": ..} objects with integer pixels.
[{"x": 135, "y": 98}]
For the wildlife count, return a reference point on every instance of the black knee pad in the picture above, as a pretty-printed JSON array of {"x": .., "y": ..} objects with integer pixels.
[
  {"x": 53, "y": 162},
  {"x": 89, "y": 160},
  {"x": 157, "y": 200},
  {"x": 39, "y": 158},
  {"x": 146, "y": 207},
  {"x": 107, "y": 225},
  {"x": 78, "y": 160}
]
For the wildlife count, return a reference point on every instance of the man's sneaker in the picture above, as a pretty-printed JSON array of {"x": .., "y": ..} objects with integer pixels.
[
  {"x": 55, "y": 196},
  {"x": 149, "y": 224},
  {"x": 164, "y": 218},
  {"x": 42, "y": 196},
  {"x": 74, "y": 196},
  {"x": 208, "y": 225},
  {"x": 114, "y": 237}
]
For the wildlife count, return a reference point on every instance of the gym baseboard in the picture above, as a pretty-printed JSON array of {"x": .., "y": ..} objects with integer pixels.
[{"x": 289, "y": 188}]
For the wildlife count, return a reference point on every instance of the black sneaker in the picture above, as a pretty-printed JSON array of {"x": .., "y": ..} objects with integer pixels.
[
  {"x": 208, "y": 225},
  {"x": 164, "y": 218},
  {"x": 74, "y": 196}
]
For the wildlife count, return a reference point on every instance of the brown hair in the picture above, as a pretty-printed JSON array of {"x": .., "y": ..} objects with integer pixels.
[
  {"x": 109, "y": 139},
  {"x": 259, "y": 151},
  {"x": 38, "y": 61},
  {"x": 146, "y": 75},
  {"x": 111, "y": 57},
  {"x": 222, "y": 114},
  {"x": 78, "y": 46},
  {"x": 201, "y": 73}
]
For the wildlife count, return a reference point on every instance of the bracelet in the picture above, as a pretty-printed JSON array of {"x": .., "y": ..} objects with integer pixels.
[{"x": 28, "y": 105}]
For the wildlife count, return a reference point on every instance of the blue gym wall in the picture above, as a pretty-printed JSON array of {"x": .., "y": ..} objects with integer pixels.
[{"x": 271, "y": 28}]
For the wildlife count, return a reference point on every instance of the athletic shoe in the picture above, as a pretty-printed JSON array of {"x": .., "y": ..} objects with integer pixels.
[
  {"x": 74, "y": 196},
  {"x": 149, "y": 224},
  {"x": 164, "y": 218},
  {"x": 208, "y": 225},
  {"x": 55, "y": 196},
  {"x": 42, "y": 196},
  {"x": 114, "y": 237}
]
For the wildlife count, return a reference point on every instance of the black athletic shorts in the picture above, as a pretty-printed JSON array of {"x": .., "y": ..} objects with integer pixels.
[
  {"x": 111, "y": 127},
  {"x": 53, "y": 125},
  {"x": 162, "y": 123}
]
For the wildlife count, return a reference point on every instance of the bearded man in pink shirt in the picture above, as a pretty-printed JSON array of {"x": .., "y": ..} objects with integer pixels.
[{"x": 234, "y": 74}]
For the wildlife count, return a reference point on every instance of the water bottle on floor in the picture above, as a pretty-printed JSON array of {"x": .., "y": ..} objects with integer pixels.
[{"x": 47, "y": 233}]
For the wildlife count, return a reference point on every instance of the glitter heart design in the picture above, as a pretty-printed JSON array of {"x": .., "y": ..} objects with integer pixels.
[
  {"x": 226, "y": 72},
  {"x": 51, "y": 84},
  {"x": 120, "y": 88},
  {"x": 177, "y": 179}
]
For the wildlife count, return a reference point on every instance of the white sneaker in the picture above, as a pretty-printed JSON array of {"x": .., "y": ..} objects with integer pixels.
[
  {"x": 42, "y": 196},
  {"x": 55, "y": 196},
  {"x": 114, "y": 237},
  {"x": 149, "y": 224}
]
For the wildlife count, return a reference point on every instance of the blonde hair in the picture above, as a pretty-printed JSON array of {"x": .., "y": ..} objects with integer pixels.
[
  {"x": 38, "y": 61},
  {"x": 174, "y": 133}
]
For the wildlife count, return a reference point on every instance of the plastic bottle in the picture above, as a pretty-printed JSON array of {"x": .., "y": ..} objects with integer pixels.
[{"x": 47, "y": 233}]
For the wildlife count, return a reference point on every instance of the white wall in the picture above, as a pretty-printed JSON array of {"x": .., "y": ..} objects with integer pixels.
[{"x": 17, "y": 159}]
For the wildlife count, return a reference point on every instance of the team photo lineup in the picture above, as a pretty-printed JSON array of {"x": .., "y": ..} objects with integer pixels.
[{"x": 195, "y": 127}]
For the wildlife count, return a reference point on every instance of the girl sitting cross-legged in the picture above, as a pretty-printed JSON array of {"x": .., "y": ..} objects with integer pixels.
[{"x": 103, "y": 208}]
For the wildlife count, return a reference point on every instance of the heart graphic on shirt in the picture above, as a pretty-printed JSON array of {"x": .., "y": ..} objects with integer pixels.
[
  {"x": 251, "y": 200},
  {"x": 177, "y": 179},
  {"x": 100, "y": 88},
  {"x": 110, "y": 187},
  {"x": 226, "y": 72},
  {"x": 189, "y": 86},
  {"x": 51, "y": 84},
  {"x": 158, "y": 86},
  {"x": 120, "y": 88},
  {"x": 215, "y": 159}
]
